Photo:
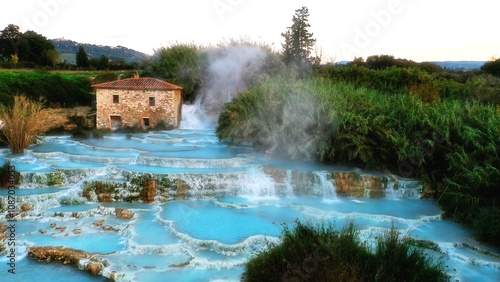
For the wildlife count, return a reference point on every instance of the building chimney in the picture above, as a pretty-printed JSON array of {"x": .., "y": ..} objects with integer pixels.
[{"x": 136, "y": 75}]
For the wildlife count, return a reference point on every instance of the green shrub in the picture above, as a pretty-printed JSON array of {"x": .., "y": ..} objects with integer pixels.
[
  {"x": 492, "y": 67},
  {"x": 487, "y": 224},
  {"x": 136, "y": 128},
  {"x": 181, "y": 64},
  {"x": 98, "y": 133},
  {"x": 321, "y": 253},
  {"x": 72, "y": 200},
  {"x": 105, "y": 77}
]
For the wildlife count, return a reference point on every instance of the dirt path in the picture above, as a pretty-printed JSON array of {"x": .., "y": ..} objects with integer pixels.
[{"x": 57, "y": 117}]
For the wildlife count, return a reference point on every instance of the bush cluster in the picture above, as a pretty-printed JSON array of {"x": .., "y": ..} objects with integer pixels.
[{"x": 322, "y": 253}]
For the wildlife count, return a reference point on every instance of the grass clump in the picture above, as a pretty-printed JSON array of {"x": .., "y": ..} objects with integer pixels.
[
  {"x": 24, "y": 121},
  {"x": 322, "y": 253}
]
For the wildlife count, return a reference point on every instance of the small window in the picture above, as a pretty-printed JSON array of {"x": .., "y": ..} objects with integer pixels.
[
  {"x": 116, "y": 99},
  {"x": 152, "y": 101},
  {"x": 145, "y": 121}
]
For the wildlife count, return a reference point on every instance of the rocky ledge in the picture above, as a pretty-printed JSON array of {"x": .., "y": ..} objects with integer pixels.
[{"x": 68, "y": 256}]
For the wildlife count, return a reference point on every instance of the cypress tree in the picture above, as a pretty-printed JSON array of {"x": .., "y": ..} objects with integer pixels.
[
  {"x": 298, "y": 40},
  {"x": 82, "y": 59}
]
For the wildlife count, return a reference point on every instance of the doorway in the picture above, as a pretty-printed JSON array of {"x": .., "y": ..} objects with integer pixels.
[{"x": 116, "y": 122}]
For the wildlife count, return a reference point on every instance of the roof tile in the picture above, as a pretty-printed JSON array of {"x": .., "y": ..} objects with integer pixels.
[{"x": 138, "y": 83}]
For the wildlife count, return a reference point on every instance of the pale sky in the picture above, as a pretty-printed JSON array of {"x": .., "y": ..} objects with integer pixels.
[{"x": 421, "y": 30}]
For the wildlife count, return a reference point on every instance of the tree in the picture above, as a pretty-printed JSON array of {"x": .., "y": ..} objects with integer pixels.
[
  {"x": 29, "y": 46},
  {"x": 53, "y": 56},
  {"x": 82, "y": 58},
  {"x": 492, "y": 67},
  {"x": 181, "y": 64},
  {"x": 9, "y": 39},
  {"x": 14, "y": 59},
  {"x": 33, "y": 47},
  {"x": 298, "y": 40},
  {"x": 103, "y": 63}
]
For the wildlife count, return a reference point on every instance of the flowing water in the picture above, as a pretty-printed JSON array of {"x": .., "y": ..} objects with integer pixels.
[{"x": 235, "y": 204}]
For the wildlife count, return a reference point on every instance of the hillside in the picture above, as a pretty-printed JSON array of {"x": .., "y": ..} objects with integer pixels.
[
  {"x": 68, "y": 49},
  {"x": 461, "y": 65},
  {"x": 454, "y": 65}
]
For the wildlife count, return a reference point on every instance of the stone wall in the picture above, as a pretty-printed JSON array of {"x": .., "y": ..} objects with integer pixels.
[{"x": 133, "y": 106}]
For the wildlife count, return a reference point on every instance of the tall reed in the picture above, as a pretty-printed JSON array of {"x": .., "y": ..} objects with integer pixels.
[{"x": 24, "y": 121}]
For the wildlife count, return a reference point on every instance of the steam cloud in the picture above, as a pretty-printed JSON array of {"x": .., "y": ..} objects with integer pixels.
[{"x": 231, "y": 69}]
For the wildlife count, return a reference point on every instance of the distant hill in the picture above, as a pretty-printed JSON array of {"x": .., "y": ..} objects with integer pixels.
[
  {"x": 68, "y": 49},
  {"x": 454, "y": 65},
  {"x": 461, "y": 65}
]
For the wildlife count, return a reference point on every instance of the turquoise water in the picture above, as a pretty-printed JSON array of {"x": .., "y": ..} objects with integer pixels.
[
  {"x": 34, "y": 167},
  {"x": 215, "y": 234},
  {"x": 38, "y": 191},
  {"x": 31, "y": 270},
  {"x": 73, "y": 208},
  {"x": 158, "y": 169}
]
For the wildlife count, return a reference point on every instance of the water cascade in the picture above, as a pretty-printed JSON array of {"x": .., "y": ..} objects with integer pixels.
[
  {"x": 197, "y": 209},
  {"x": 181, "y": 206}
]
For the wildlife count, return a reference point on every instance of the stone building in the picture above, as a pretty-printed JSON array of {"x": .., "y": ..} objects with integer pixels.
[{"x": 141, "y": 101}]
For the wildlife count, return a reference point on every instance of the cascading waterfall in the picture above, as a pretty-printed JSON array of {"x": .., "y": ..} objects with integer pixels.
[
  {"x": 390, "y": 192},
  {"x": 193, "y": 117},
  {"x": 288, "y": 183},
  {"x": 257, "y": 184},
  {"x": 328, "y": 188}
]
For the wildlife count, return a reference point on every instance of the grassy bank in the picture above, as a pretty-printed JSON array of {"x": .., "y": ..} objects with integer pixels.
[
  {"x": 429, "y": 85},
  {"x": 321, "y": 253},
  {"x": 58, "y": 89},
  {"x": 453, "y": 146}
]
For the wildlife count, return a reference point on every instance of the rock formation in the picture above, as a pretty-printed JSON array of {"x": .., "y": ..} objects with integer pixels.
[
  {"x": 149, "y": 190},
  {"x": 123, "y": 213},
  {"x": 68, "y": 256}
]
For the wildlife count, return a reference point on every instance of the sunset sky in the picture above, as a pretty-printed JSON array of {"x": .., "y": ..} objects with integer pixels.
[{"x": 421, "y": 30}]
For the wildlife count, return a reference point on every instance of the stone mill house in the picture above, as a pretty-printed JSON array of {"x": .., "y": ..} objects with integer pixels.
[{"x": 140, "y": 101}]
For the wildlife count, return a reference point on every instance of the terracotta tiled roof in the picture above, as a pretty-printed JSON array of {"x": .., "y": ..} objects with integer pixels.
[{"x": 138, "y": 83}]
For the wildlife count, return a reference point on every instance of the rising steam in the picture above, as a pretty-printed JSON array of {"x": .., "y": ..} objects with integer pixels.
[{"x": 231, "y": 69}]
